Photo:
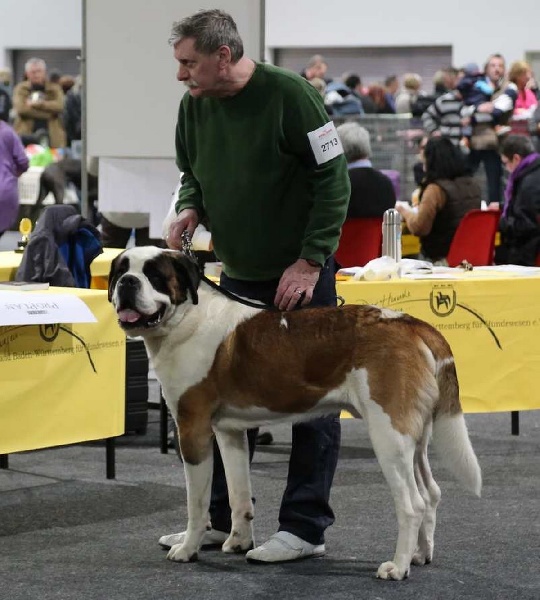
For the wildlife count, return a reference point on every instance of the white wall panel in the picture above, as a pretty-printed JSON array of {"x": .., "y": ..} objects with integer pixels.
[
  {"x": 475, "y": 29},
  {"x": 132, "y": 91}
]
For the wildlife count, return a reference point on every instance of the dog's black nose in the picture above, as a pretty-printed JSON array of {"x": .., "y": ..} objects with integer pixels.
[{"x": 129, "y": 282}]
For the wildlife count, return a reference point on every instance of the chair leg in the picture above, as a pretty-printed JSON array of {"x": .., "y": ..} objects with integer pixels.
[
  {"x": 515, "y": 422},
  {"x": 163, "y": 425},
  {"x": 110, "y": 452}
]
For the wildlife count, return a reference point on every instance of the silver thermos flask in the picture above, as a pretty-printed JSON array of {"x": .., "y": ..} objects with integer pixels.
[{"x": 391, "y": 234}]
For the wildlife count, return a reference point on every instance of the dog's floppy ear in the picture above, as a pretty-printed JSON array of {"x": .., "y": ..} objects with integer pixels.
[
  {"x": 113, "y": 276},
  {"x": 188, "y": 272}
]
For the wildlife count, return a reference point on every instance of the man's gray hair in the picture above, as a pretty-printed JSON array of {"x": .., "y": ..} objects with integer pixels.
[
  {"x": 316, "y": 59},
  {"x": 210, "y": 29},
  {"x": 355, "y": 141},
  {"x": 39, "y": 62}
]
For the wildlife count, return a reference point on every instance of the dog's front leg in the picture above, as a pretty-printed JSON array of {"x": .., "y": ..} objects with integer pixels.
[
  {"x": 196, "y": 448},
  {"x": 233, "y": 446}
]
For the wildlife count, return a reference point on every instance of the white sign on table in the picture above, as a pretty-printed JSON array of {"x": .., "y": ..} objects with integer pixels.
[{"x": 24, "y": 308}]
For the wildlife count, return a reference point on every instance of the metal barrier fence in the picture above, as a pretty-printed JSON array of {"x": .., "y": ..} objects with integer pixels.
[{"x": 394, "y": 145}]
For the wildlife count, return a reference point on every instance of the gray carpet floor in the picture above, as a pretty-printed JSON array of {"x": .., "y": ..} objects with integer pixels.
[{"x": 68, "y": 532}]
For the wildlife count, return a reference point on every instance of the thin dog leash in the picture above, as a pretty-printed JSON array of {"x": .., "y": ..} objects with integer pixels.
[{"x": 188, "y": 251}]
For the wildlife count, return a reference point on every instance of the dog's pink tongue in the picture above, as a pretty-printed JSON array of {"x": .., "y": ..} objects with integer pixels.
[{"x": 128, "y": 316}]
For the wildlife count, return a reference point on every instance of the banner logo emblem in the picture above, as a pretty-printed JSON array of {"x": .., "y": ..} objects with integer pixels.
[{"x": 442, "y": 300}]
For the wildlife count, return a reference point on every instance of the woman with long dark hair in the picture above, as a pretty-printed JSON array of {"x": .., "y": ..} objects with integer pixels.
[{"x": 447, "y": 192}]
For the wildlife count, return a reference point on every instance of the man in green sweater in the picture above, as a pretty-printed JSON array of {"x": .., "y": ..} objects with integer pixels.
[{"x": 262, "y": 163}]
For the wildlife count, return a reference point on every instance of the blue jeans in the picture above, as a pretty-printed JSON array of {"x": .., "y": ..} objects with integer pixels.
[
  {"x": 305, "y": 509},
  {"x": 494, "y": 171}
]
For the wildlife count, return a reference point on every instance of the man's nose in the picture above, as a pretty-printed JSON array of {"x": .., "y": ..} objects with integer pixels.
[{"x": 183, "y": 74}]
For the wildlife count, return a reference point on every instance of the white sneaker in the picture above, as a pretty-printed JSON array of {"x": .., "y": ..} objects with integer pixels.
[
  {"x": 284, "y": 546},
  {"x": 212, "y": 538}
]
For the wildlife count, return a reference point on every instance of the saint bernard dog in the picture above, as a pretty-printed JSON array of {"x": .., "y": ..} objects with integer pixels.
[{"x": 220, "y": 363}]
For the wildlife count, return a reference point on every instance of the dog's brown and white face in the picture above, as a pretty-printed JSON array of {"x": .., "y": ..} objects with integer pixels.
[{"x": 147, "y": 285}]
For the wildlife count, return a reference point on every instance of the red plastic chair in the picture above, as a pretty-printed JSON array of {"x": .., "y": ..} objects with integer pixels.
[
  {"x": 360, "y": 242},
  {"x": 474, "y": 240}
]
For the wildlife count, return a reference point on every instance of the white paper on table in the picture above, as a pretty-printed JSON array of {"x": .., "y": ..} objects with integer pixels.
[
  {"x": 31, "y": 308},
  {"x": 511, "y": 269}
]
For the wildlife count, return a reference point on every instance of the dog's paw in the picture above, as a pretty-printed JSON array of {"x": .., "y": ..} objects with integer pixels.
[
  {"x": 420, "y": 558},
  {"x": 238, "y": 543},
  {"x": 181, "y": 553},
  {"x": 389, "y": 570}
]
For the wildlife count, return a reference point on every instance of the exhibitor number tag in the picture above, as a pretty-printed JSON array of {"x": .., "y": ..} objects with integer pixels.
[{"x": 325, "y": 143}]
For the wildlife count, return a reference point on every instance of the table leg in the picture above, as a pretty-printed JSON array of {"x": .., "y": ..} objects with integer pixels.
[
  {"x": 163, "y": 424},
  {"x": 515, "y": 422},
  {"x": 110, "y": 457}
]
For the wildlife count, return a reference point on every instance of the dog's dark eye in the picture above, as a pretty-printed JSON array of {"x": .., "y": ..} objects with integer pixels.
[{"x": 155, "y": 280}]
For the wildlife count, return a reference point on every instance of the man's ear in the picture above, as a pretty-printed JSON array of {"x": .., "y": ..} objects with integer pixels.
[
  {"x": 188, "y": 272},
  {"x": 224, "y": 56}
]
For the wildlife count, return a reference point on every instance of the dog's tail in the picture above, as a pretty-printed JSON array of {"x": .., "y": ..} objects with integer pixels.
[{"x": 450, "y": 435}]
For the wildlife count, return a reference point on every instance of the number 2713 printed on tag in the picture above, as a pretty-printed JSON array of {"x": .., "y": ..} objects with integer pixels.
[{"x": 325, "y": 143}]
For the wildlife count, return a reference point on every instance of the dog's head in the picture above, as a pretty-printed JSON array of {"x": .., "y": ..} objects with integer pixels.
[{"x": 148, "y": 284}]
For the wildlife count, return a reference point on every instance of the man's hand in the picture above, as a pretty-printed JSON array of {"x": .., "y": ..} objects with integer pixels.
[
  {"x": 186, "y": 219},
  {"x": 296, "y": 284}
]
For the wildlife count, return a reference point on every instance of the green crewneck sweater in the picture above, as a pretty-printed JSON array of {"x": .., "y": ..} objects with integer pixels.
[{"x": 249, "y": 168}]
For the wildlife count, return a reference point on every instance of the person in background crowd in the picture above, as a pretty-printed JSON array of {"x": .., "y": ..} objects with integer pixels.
[
  {"x": 291, "y": 192},
  {"x": 5, "y": 94},
  {"x": 5, "y": 79},
  {"x": 372, "y": 192},
  {"x": 66, "y": 83},
  {"x": 340, "y": 101},
  {"x": 445, "y": 80},
  {"x": 474, "y": 87},
  {"x": 526, "y": 102},
  {"x": 391, "y": 87},
  {"x": 520, "y": 219},
  {"x": 412, "y": 85},
  {"x": 39, "y": 104},
  {"x": 55, "y": 76},
  {"x": 443, "y": 117},
  {"x": 73, "y": 112},
  {"x": 533, "y": 86},
  {"x": 380, "y": 99},
  {"x": 447, "y": 192},
  {"x": 484, "y": 141},
  {"x": 534, "y": 128},
  {"x": 354, "y": 83},
  {"x": 13, "y": 163},
  {"x": 319, "y": 84},
  {"x": 316, "y": 67}
]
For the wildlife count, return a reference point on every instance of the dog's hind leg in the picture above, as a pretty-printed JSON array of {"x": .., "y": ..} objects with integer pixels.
[
  {"x": 233, "y": 446},
  {"x": 431, "y": 494},
  {"x": 395, "y": 453}
]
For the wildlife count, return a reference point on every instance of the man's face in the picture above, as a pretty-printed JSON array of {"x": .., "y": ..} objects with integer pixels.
[
  {"x": 495, "y": 69},
  {"x": 450, "y": 80},
  {"x": 393, "y": 86},
  {"x": 36, "y": 74},
  {"x": 320, "y": 70},
  {"x": 511, "y": 163},
  {"x": 199, "y": 72}
]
